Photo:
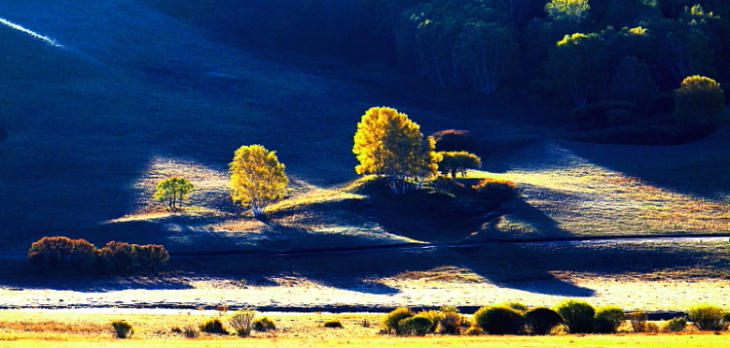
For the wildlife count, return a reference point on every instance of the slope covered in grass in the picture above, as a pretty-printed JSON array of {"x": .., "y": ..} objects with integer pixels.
[{"x": 130, "y": 95}]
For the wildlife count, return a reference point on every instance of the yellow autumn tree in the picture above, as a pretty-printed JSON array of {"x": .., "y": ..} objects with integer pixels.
[
  {"x": 388, "y": 143},
  {"x": 172, "y": 191},
  {"x": 257, "y": 178}
]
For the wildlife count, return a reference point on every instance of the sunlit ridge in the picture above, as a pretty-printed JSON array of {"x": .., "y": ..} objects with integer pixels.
[{"x": 46, "y": 39}]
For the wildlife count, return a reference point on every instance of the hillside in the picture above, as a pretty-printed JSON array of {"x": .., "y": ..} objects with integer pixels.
[{"x": 129, "y": 95}]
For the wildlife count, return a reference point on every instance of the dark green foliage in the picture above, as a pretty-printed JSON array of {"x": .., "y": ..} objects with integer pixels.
[
  {"x": 604, "y": 114},
  {"x": 415, "y": 326},
  {"x": 390, "y": 320},
  {"x": 541, "y": 320},
  {"x": 445, "y": 185},
  {"x": 707, "y": 317},
  {"x": 697, "y": 99},
  {"x": 638, "y": 321},
  {"x": 662, "y": 103},
  {"x": 433, "y": 316},
  {"x": 578, "y": 315},
  {"x": 578, "y": 65},
  {"x": 263, "y": 324},
  {"x": 608, "y": 319},
  {"x": 122, "y": 329},
  {"x": 495, "y": 190},
  {"x": 676, "y": 325},
  {"x": 520, "y": 307},
  {"x": 497, "y": 320},
  {"x": 213, "y": 326},
  {"x": 453, "y": 162},
  {"x": 450, "y": 324},
  {"x": 455, "y": 140},
  {"x": 333, "y": 324}
]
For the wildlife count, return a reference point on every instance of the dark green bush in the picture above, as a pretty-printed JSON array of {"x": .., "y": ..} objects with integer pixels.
[
  {"x": 263, "y": 324},
  {"x": 213, "y": 326},
  {"x": 454, "y": 162},
  {"x": 608, "y": 319},
  {"x": 390, "y": 320},
  {"x": 707, "y": 317},
  {"x": 496, "y": 191},
  {"x": 416, "y": 325},
  {"x": 596, "y": 115},
  {"x": 541, "y": 320},
  {"x": 578, "y": 315},
  {"x": 474, "y": 331},
  {"x": 333, "y": 323},
  {"x": 520, "y": 307},
  {"x": 433, "y": 316},
  {"x": 498, "y": 320},
  {"x": 676, "y": 325},
  {"x": 638, "y": 321},
  {"x": 122, "y": 329},
  {"x": 455, "y": 140},
  {"x": 450, "y": 324},
  {"x": 662, "y": 103},
  {"x": 697, "y": 99}
]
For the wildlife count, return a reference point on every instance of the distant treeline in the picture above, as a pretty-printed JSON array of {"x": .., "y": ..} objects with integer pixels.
[{"x": 574, "y": 51}]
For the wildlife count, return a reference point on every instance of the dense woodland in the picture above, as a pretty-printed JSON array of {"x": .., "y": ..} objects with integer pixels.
[{"x": 568, "y": 53}]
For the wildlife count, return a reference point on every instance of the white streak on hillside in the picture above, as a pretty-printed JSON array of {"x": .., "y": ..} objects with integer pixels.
[{"x": 46, "y": 39}]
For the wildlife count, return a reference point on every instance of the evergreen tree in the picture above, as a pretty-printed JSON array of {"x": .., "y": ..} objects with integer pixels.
[
  {"x": 696, "y": 99},
  {"x": 257, "y": 178},
  {"x": 388, "y": 143}
]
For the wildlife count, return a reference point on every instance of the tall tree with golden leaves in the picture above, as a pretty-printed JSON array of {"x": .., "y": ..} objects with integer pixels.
[
  {"x": 257, "y": 178},
  {"x": 388, "y": 143}
]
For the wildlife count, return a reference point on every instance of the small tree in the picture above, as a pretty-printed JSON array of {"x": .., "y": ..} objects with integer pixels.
[
  {"x": 458, "y": 162},
  {"x": 388, "y": 143},
  {"x": 257, "y": 177},
  {"x": 696, "y": 99},
  {"x": 172, "y": 191}
]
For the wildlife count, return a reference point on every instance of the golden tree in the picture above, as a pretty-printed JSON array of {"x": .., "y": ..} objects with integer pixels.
[
  {"x": 257, "y": 177},
  {"x": 388, "y": 143}
]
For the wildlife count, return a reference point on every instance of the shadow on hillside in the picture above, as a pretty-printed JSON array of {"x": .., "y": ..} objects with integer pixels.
[{"x": 690, "y": 168}]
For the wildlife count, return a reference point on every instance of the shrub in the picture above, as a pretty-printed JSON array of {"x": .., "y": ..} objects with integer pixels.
[
  {"x": 416, "y": 325},
  {"x": 707, "y": 317},
  {"x": 450, "y": 324},
  {"x": 190, "y": 331},
  {"x": 83, "y": 252},
  {"x": 498, "y": 320},
  {"x": 433, "y": 316},
  {"x": 333, "y": 323},
  {"x": 638, "y": 321},
  {"x": 608, "y": 319},
  {"x": 516, "y": 306},
  {"x": 50, "y": 252},
  {"x": 117, "y": 257},
  {"x": 541, "y": 320},
  {"x": 455, "y": 140},
  {"x": 242, "y": 321},
  {"x": 697, "y": 99},
  {"x": 449, "y": 309},
  {"x": 263, "y": 324},
  {"x": 496, "y": 190},
  {"x": 390, "y": 320},
  {"x": 597, "y": 115},
  {"x": 662, "y": 103},
  {"x": 213, "y": 326},
  {"x": 578, "y": 315},
  {"x": 675, "y": 325},
  {"x": 474, "y": 331},
  {"x": 122, "y": 329},
  {"x": 151, "y": 257}
]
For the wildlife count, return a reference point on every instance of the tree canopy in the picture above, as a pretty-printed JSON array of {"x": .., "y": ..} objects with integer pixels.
[
  {"x": 388, "y": 143},
  {"x": 172, "y": 191},
  {"x": 257, "y": 178}
]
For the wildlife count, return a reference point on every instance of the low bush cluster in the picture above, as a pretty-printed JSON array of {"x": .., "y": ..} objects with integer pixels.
[
  {"x": 115, "y": 257},
  {"x": 572, "y": 316}
]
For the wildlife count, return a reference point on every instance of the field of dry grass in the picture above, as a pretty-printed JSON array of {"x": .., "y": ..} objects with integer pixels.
[{"x": 54, "y": 329}]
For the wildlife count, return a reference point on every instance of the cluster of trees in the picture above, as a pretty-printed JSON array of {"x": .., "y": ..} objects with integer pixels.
[
  {"x": 389, "y": 144},
  {"x": 115, "y": 257}
]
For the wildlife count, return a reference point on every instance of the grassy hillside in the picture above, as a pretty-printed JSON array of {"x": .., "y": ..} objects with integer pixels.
[{"x": 131, "y": 95}]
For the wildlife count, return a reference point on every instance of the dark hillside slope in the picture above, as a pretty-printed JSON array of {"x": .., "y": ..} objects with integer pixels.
[{"x": 129, "y": 84}]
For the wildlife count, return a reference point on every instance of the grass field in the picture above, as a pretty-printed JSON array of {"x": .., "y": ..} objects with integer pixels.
[{"x": 44, "y": 329}]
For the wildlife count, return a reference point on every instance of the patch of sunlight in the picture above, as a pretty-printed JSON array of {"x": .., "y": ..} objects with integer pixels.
[{"x": 33, "y": 34}]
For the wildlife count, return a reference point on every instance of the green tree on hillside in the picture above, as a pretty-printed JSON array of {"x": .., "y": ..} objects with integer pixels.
[
  {"x": 172, "y": 191},
  {"x": 453, "y": 162},
  {"x": 578, "y": 63},
  {"x": 575, "y": 10},
  {"x": 388, "y": 143},
  {"x": 257, "y": 178},
  {"x": 696, "y": 99}
]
